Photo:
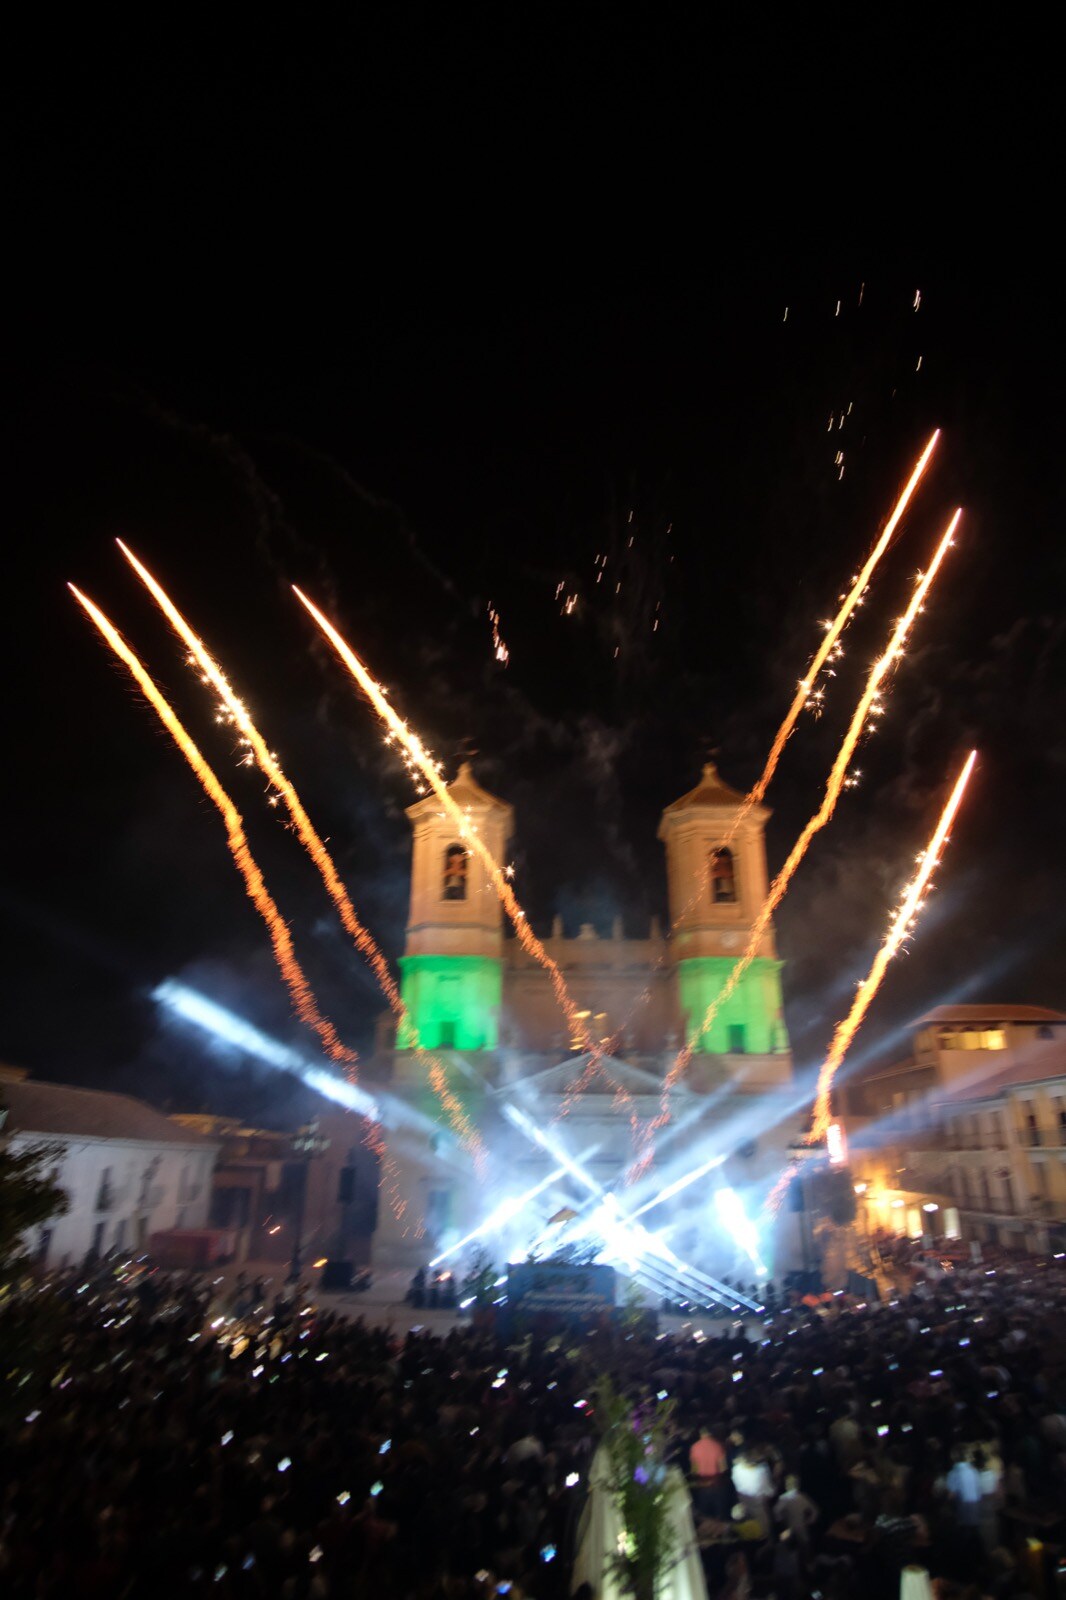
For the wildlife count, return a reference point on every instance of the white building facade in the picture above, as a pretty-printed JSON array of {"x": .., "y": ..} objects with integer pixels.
[
  {"x": 128, "y": 1171},
  {"x": 976, "y": 1130}
]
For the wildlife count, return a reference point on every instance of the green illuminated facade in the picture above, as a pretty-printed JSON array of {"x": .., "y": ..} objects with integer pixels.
[
  {"x": 453, "y": 1001},
  {"x": 751, "y": 1022}
]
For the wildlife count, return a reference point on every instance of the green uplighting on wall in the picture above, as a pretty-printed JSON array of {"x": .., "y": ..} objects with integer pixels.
[
  {"x": 751, "y": 1022},
  {"x": 453, "y": 1001}
]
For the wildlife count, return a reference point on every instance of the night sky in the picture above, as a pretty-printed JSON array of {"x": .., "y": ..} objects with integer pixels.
[{"x": 405, "y": 345}]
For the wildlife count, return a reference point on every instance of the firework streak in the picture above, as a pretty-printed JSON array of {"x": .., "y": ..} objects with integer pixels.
[
  {"x": 833, "y": 632},
  {"x": 833, "y": 787},
  {"x": 834, "y": 629},
  {"x": 281, "y": 941},
  {"x": 898, "y": 929},
  {"x": 431, "y": 771},
  {"x": 307, "y": 834}
]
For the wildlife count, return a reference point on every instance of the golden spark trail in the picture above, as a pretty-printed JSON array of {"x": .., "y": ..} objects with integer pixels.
[
  {"x": 306, "y": 832},
  {"x": 281, "y": 941},
  {"x": 834, "y": 784},
  {"x": 806, "y": 685},
  {"x": 898, "y": 929},
  {"x": 300, "y": 990},
  {"x": 268, "y": 764},
  {"x": 431, "y": 771},
  {"x": 833, "y": 632}
]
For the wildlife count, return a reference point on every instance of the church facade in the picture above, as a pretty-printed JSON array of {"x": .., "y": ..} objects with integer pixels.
[{"x": 485, "y": 1007}]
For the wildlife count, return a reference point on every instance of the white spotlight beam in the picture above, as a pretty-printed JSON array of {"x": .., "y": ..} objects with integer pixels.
[
  {"x": 637, "y": 1236},
  {"x": 526, "y": 1125},
  {"x": 504, "y": 1213},
  {"x": 222, "y": 1024},
  {"x": 710, "y": 1285},
  {"x": 681, "y": 1183},
  {"x": 730, "y": 1208}
]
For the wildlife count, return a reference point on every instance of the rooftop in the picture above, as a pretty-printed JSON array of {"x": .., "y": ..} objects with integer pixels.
[
  {"x": 710, "y": 791},
  {"x": 987, "y": 1014},
  {"x": 59, "y": 1110},
  {"x": 465, "y": 791}
]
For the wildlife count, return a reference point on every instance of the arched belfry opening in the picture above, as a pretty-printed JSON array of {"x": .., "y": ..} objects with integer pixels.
[
  {"x": 456, "y": 866},
  {"x": 723, "y": 877}
]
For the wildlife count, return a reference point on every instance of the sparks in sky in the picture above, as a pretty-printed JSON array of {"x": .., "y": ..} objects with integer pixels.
[
  {"x": 281, "y": 941},
  {"x": 809, "y": 695},
  {"x": 300, "y": 991},
  {"x": 468, "y": 831},
  {"x": 834, "y": 629},
  {"x": 499, "y": 649},
  {"x": 834, "y": 784},
  {"x": 237, "y": 712},
  {"x": 898, "y": 929}
]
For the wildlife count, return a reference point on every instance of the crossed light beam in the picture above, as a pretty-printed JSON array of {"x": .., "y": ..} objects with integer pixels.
[{"x": 632, "y": 1240}]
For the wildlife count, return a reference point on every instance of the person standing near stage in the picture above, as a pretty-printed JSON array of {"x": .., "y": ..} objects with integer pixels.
[
  {"x": 708, "y": 1463},
  {"x": 754, "y": 1486}
]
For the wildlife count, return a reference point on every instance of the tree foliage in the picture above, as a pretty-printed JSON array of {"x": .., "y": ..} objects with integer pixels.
[
  {"x": 29, "y": 1196},
  {"x": 636, "y": 1438}
]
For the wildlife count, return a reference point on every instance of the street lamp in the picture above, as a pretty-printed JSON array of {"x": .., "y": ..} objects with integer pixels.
[{"x": 306, "y": 1144}]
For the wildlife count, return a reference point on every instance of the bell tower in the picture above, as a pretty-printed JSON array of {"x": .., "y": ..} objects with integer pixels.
[
  {"x": 452, "y": 966},
  {"x": 716, "y": 875}
]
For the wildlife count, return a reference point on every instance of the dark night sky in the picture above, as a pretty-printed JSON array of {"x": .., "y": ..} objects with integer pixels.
[{"x": 419, "y": 323}]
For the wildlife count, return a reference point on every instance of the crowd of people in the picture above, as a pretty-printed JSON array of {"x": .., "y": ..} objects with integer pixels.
[{"x": 168, "y": 1447}]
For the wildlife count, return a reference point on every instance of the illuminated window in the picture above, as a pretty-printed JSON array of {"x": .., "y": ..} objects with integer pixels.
[
  {"x": 456, "y": 862},
  {"x": 578, "y": 1030},
  {"x": 973, "y": 1039},
  {"x": 723, "y": 878}
]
